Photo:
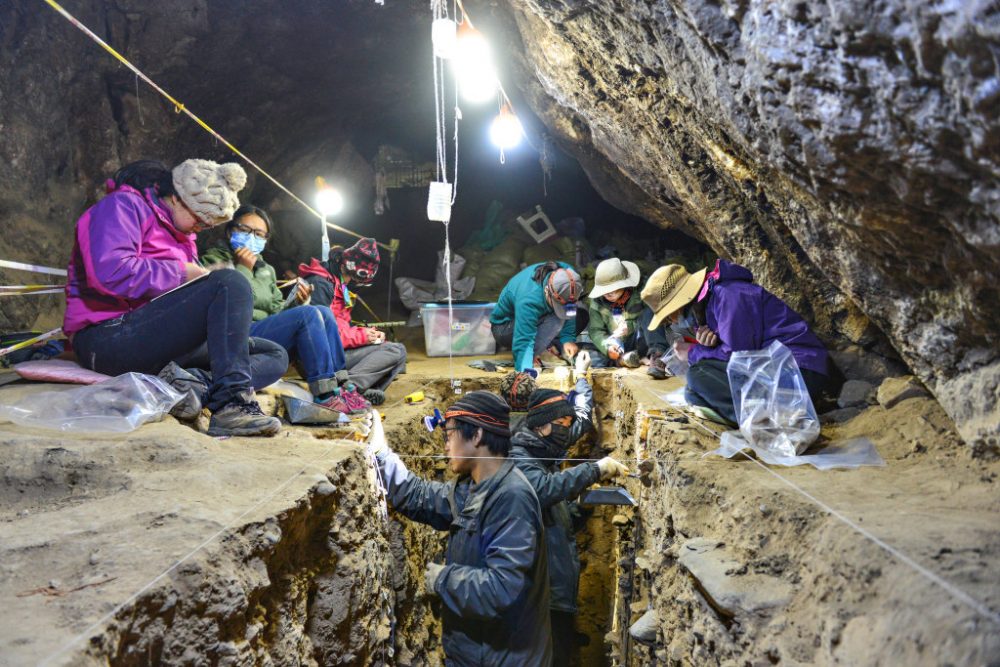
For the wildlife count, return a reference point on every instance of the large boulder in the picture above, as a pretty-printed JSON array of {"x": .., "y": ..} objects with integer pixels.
[{"x": 846, "y": 151}]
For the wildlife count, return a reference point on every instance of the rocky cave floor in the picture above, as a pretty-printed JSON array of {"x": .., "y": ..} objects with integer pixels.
[{"x": 166, "y": 546}]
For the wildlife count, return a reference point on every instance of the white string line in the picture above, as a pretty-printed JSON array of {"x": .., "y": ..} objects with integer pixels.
[
  {"x": 103, "y": 619},
  {"x": 930, "y": 575},
  {"x": 958, "y": 593}
]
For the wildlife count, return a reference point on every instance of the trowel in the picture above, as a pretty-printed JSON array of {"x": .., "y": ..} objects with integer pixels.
[{"x": 608, "y": 495}]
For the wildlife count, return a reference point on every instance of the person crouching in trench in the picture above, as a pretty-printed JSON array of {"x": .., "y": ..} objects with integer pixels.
[{"x": 494, "y": 584}]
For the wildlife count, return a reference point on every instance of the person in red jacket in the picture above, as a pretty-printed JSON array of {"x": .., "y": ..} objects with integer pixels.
[{"x": 372, "y": 362}]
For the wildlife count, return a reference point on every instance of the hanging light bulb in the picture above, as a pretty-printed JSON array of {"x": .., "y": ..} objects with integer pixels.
[
  {"x": 329, "y": 201},
  {"x": 506, "y": 130},
  {"x": 444, "y": 37},
  {"x": 473, "y": 63}
]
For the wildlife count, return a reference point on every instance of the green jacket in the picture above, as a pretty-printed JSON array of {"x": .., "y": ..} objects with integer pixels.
[
  {"x": 602, "y": 322},
  {"x": 267, "y": 298}
]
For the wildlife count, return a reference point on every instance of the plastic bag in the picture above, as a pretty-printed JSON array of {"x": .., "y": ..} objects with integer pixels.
[
  {"x": 675, "y": 366},
  {"x": 853, "y": 453},
  {"x": 771, "y": 401},
  {"x": 118, "y": 405}
]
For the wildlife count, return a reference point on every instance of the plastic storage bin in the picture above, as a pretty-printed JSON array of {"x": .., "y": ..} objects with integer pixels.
[{"x": 470, "y": 329}]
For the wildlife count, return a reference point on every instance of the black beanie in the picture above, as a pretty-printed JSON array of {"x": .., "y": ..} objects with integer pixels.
[
  {"x": 484, "y": 409},
  {"x": 547, "y": 405}
]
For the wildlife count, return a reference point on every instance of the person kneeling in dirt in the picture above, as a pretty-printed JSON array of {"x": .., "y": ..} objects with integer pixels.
[
  {"x": 536, "y": 311},
  {"x": 372, "y": 362},
  {"x": 619, "y": 321},
  {"x": 555, "y": 421},
  {"x": 728, "y": 313},
  {"x": 494, "y": 583}
]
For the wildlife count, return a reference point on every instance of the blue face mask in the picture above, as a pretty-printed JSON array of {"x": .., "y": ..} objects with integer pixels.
[{"x": 246, "y": 240}]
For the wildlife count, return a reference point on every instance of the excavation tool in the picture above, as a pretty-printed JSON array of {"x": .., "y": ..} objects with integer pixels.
[{"x": 608, "y": 495}]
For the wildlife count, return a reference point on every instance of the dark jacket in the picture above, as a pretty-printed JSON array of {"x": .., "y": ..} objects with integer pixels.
[
  {"x": 493, "y": 587},
  {"x": 553, "y": 488},
  {"x": 748, "y": 317}
]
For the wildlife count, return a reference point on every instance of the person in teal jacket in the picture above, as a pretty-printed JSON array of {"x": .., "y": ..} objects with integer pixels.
[{"x": 537, "y": 307}]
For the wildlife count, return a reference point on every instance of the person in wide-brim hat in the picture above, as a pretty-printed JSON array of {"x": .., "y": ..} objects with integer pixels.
[
  {"x": 722, "y": 311},
  {"x": 618, "y": 319}
]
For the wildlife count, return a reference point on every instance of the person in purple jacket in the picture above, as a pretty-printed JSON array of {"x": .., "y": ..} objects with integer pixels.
[
  {"x": 124, "y": 312},
  {"x": 723, "y": 311}
]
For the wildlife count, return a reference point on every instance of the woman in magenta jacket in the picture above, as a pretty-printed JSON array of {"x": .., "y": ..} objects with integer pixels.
[{"x": 124, "y": 313}]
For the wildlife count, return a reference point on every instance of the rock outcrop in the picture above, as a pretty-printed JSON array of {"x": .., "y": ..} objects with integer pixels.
[{"x": 846, "y": 151}]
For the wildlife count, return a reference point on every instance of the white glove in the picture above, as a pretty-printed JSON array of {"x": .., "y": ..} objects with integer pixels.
[
  {"x": 372, "y": 428},
  {"x": 431, "y": 575},
  {"x": 582, "y": 362},
  {"x": 610, "y": 468}
]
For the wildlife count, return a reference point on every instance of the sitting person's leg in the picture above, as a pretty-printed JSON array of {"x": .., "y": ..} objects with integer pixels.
[
  {"x": 373, "y": 367},
  {"x": 217, "y": 309},
  {"x": 304, "y": 333},
  {"x": 268, "y": 363},
  {"x": 708, "y": 386}
]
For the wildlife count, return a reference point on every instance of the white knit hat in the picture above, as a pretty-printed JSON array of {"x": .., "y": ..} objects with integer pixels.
[
  {"x": 614, "y": 274},
  {"x": 209, "y": 188}
]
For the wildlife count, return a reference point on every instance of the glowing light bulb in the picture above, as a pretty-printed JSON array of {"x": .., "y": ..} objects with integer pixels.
[
  {"x": 473, "y": 64},
  {"x": 506, "y": 130},
  {"x": 329, "y": 201},
  {"x": 444, "y": 37}
]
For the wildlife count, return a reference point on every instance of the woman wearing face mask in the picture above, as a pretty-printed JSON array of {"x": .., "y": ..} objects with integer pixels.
[
  {"x": 618, "y": 320},
  {"x": 306, "y": 332},
  {"x": 132, "y": 250},
  {"x": 554, "y": 422},
  {"x": 372, "y": 361}
]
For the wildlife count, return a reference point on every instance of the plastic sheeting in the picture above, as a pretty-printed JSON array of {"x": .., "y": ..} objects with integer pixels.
[
  {"x": 853, "y": 453},
  {"x": 772, "y": 403},
  {"x": 413, "y": 292},
  {"x": 118, "y": 405}
]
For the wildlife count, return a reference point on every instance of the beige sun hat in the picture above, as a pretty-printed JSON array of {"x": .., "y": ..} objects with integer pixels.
[
  {"x": 613, "y": 274},
  {"x": 209, "y": 188},
  {"x": 669, "y": 289}
]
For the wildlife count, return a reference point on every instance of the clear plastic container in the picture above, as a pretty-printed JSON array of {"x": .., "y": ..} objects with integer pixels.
[{"x": 470, "y": 329}]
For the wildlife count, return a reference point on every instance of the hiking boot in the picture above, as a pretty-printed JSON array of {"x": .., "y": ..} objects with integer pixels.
[
  {"x": 375, "y": 396},
  {"x": 190, "y": 388},
  {"x": 630, "y": 359},
  {"x": 657, "y": 369},
  {"x": 243, "y": 416}
]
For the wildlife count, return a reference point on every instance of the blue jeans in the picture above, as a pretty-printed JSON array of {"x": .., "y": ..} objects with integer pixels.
[
  {"x": 309, "y": 333},
  {"x": 212, "y": 314}
]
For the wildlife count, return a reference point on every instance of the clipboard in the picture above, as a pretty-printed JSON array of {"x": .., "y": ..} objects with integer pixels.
[{"x": 181, "y": 286}]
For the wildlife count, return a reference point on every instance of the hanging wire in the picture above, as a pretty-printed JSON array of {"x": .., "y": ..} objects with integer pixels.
[{"x": 180, "y": 108}]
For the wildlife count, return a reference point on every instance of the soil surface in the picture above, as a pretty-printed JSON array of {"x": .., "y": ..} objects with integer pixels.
[{"x": 166, "y": 546}]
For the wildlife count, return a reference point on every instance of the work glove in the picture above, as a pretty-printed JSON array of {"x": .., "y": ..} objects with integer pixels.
[
  {"x": 371, "y": 428},
  {"x": 582, "y": 362},
  {"x": 610, "y": 468},
  {"x": 431, "y": 575}
]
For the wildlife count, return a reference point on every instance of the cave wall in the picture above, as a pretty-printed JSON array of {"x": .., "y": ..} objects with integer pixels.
[
  {"x": 283, "y": 86},
  {"x": 846, "y": 151}
]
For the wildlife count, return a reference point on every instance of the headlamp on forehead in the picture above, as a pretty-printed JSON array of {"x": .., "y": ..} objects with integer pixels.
[
  {"x": 434, "y": 421},
  {"x": 570, "y": 309}
]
